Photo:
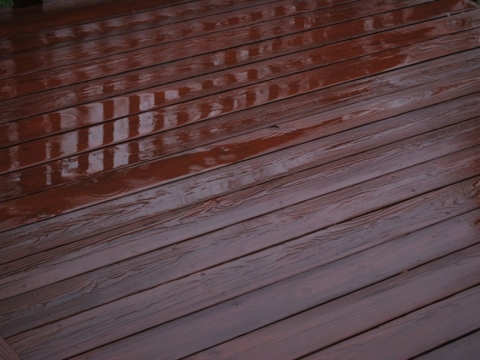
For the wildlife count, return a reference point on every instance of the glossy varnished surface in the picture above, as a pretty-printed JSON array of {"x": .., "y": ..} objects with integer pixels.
[{"x": 243, "y": 179}]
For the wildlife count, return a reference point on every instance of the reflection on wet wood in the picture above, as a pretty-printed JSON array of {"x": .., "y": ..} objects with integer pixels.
[{"x": 239, "y": 179}]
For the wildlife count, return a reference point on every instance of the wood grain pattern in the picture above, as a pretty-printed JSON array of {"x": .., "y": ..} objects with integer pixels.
[
  {"x": 6, "y": 352},
  {"x": 21, "y": 243},
  {"x": 178, "y": 298},
  {"x": 325, "y": 325},
  {"x": 418, "y": 331},
  {"x": 163, "y": 265},
  {"x": 130, "y": 180},
  {"x": 47, "y": 233},
  {"x": 466, "y": 348},
  {"x": 269, "y": 179},
  {"x": 318, "y": 286},
  {"x": 33, "y": 180},
  {"x": 168, "y": 196}
]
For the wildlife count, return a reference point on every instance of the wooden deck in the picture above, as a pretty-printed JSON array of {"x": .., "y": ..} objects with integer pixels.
[{"x": 240, "y": 179}]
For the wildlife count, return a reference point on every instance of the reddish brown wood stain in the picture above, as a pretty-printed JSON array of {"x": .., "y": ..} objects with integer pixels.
[{"x": 270, "y": 179}]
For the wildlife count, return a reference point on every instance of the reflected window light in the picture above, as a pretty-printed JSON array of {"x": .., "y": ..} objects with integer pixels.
[{"x": 147, "y": 101}]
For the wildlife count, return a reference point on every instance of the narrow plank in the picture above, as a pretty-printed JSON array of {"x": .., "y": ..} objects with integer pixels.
[
  {"x": 30, "y": 180},
  {"x": 196, "y": 254},
  {"x": 36, "y": 152},
  {"x": 321, "y": 326},
  {"x": 274, "y": 90},
  {"x": 116, "y": 190},
  {"x": 357, "y": 312},
  {"x": 466, "y": 348},
  {"x": 187, "y": 295},
  {"x": 242, "y": 46},
  {"x": 37, "y": 127},
  {"x": 6, "y": 352},
  {"x": 179, "y": 166},
  {"x": 201, "y": 64},
  {"x": 417, "y": 332},
  {"x": 74, "y": 16},
  {"x": 165, "y": 198},
  {"x": 359, "y": 140},
  {"x": 52, "y": 38},
  {"x": 240, "y": 122},
  {"x": 146, "y": 47}
]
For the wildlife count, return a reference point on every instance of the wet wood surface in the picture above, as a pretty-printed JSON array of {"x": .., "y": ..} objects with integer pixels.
[{"x": 269, "y": 179}]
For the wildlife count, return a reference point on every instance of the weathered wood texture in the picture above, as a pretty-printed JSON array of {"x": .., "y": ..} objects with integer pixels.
[
  {"x": 467, "y": 348},
  {"x": 6, "y": 352},
  {"x": 241, "y": 179}
]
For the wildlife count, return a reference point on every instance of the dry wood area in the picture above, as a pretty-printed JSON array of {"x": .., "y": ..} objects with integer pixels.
[{"x": 240, "y": 179}]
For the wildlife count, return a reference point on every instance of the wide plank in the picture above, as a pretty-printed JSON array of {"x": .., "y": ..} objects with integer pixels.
[
  {"x": 61, "y": 263},
  {"x": 465, "y": 348},
  {"x": 456, "y": 137},
  {"x": 166, "y": 198},
  {"x": 129, "y": 180},
  {"x": 306, "y": 186},
  {"x": 182, "y": 297},
  {"x": 323, "y": 325},
  {"x": 419, "y": 331}
]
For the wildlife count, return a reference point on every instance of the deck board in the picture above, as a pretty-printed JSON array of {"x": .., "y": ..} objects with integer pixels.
[
  {"x": 417, "y": 331},
  {"x": 467, "y": 347},
  {"x": 243, "y": 179},
  {"x": 6, "y": 352}
]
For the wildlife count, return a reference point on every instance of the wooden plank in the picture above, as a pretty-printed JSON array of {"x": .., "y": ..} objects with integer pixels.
[
  {"x": 165, "y": 144},
  {"x": 74, "y": 16},
  {"x": 199, "y": 110},
  {"x": 34, "y": 153},
  {"x": 325, "y": 150},
  {"x": 466, "y": 348},
  {"x": 121, "y": 183},
  {"x": 58, "y": 122},
  {"x": 419, "y": 331},
  {"x": 6, "y": 352},
  {"x": 176, "y": 299},
  {"x": 321, "y": 326},
  {"x": 53, "y": 38},
  {"x": 179, "y": 67},
  {"x": 117, "y": 46},
  {"x": 164, "y": 199},
  {"x": 191, "y": 256},
  {"x": 200, "y": 64}
]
